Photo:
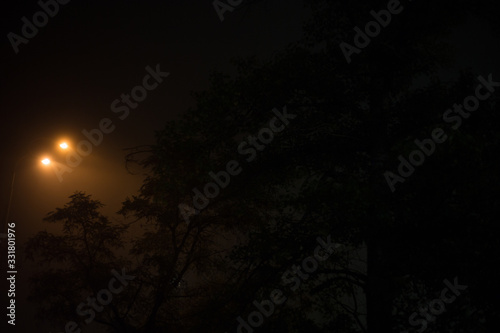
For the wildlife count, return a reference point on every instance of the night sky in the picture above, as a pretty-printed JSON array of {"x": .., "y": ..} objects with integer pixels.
[{"x": 65, "y": 79}]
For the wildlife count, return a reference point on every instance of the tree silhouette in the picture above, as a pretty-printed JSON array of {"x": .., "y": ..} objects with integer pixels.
[
  {"x": 76, "y": 263},
  {"x": 352, "y": 123}
]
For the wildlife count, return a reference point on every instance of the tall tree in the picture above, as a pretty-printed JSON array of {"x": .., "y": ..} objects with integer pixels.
[{"x": 352, "y": 122}]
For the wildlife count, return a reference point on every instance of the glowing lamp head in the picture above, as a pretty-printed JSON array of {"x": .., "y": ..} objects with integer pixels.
[
  {"x": 46, "y": 161},
  {"x": 64, "y": 145}
]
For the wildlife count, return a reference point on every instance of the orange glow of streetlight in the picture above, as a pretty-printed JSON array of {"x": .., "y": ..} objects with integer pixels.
[
  {"x": 64, "y": 145},
  {"x": 46, "y": 161}
]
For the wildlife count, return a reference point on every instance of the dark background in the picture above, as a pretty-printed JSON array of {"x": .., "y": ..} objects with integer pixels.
[{"x": 65, "y": 78}]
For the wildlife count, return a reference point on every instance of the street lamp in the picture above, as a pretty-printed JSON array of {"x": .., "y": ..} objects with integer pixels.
[{"x": 45, "y": 161}]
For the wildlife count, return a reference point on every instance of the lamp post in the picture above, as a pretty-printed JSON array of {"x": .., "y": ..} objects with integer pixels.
[{"x": 45, "y": 161}]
